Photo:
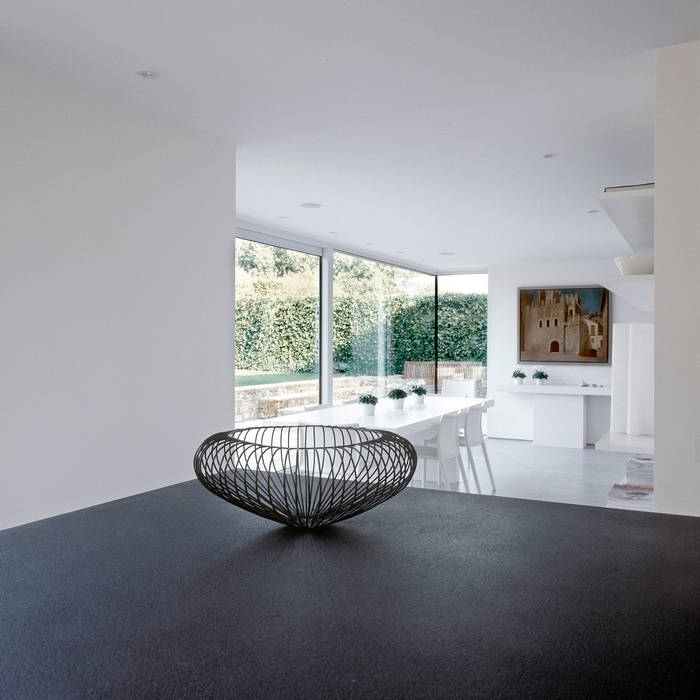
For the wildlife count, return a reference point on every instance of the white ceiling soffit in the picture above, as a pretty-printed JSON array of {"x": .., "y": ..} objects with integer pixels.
[{"x": 419, "y": 126}]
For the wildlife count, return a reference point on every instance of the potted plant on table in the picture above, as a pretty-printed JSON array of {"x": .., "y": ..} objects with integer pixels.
[
  {"x": 540, "y": 376},
  {"x": 419, "y": 391},
  {"x": 368, "y": 401},
  {"x": 518, "y": 376},
  {"x": 397, "y": 394}
]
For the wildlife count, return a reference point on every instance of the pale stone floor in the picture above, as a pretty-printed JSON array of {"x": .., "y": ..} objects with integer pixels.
[{"x": 523, "y": 470}]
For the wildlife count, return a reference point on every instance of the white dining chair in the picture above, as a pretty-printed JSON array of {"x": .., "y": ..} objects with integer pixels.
[
  {"x": 446, "y": 449},
  {"x": 472, "y": 435},
  {"x": 458, "y": 387}
]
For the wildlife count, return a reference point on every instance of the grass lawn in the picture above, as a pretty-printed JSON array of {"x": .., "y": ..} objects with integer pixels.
[{"x": 269, "y": 378}]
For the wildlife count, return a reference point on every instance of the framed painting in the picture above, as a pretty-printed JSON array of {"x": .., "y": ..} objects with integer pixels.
[{"x": 564, "y": 324}]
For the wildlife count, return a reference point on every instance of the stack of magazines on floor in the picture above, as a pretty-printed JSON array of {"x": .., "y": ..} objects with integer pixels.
[{"x": 637, "y": 490}]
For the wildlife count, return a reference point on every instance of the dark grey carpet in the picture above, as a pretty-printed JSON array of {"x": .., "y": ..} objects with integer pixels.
[{"x": 175, "y": 593}]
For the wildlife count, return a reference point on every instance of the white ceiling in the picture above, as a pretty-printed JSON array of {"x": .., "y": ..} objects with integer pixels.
[{"x": 420, "y": 125}]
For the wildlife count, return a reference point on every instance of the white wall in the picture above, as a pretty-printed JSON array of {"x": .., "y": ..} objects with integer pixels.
[
  {"x": 115, "y": 294},
  {"x": 677, "y": 267},
  {"x": 512, "y": 415}
]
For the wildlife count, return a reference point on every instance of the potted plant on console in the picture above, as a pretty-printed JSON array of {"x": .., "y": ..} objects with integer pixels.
[
  {"x": 368, "y": 401},
  {"x": 419, "y": 391},
  {"x": 397, "y": 394},
  {"x": 518, "y": 376},
  {"x": 540, "y": 376}
]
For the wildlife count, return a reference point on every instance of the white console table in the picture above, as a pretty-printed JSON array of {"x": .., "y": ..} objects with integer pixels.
[{"x": 559, "y": 418}]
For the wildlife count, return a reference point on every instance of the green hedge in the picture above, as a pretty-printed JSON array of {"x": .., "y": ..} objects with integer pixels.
[
  {"x": 278, "y": 335},
  {"x": 462, "y": 326}
]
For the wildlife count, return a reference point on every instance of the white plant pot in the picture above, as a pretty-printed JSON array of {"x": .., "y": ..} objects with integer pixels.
[
  {"x": 420, "y": 400},
  {"x": 367, "y": 409},
  {"x": 517, "y": 380},
  {"x": 398, "y": 404},
  {"x": 540, "y": 382}
]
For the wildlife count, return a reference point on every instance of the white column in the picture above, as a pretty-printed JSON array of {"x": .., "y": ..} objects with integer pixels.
[
  {"x": 677, "y": 261},
  {"x": 640, "y": 415},
  {"x": 632, "y": 405},
  {"x": 326, "y": 351},
  {"x": 619, "y": 383}
]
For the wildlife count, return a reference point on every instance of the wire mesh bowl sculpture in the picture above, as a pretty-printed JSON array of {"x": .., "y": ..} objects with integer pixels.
[{"x": 305, "y": 476}]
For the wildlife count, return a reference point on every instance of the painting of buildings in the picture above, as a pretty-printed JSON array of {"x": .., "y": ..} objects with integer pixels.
[{"x": 564, "y": 325}]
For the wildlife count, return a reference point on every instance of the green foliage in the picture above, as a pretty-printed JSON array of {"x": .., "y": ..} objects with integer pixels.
[
  {"x": 397, "y": 394},
  {"x": 350, "y": 269},
  {"x": 249, "y": 259},
  {"x": 370, "y": 399},
  {"x": 355, "y": 324},
  {"x": 267, "y": 260},
  {"x": 281, "y": 335},
  {"x": 411, "y": 332},
  {"x": 462, "y": 325},
  {"x": 277, "y": 335},
  {"x": 518, "y": 373},
  {"x": 288, "y": 262}
]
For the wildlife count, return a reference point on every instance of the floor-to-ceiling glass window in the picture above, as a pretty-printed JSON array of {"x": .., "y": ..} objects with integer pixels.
[
  {"x": 277, "y": 330},
  {"x": 462, "y": 324},
  {"x": 383, "y": 326}
]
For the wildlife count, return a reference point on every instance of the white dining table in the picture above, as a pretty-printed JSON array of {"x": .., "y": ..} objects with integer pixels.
[{"x": 413, "y": 418}]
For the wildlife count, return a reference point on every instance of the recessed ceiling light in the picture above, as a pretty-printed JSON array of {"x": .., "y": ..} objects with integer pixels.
[
  {"x": 592, "y": 211},
  {"x": 150, "y": 74},
  {"x": 447, "y": 252},
  {"x": 282, "y": 217},
  {"x": 550, "y": 155},
  {"x": 399, "y": 252},
  {"x": 332, "y": 233},
  {"x": 370, "y": 243},
  {"x": 310, "y": 205}
]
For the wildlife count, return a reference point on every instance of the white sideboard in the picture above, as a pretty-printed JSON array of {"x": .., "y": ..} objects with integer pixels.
[{"x": 559, "y": 411}]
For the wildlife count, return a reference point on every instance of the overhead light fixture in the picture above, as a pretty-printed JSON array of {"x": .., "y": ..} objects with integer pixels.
[
  {"x": 149, "y": 74},
  {"x": 370, "y": 243},
  {"x": 310, "y": 205},
  {"x": 282, "y": 217},
  {"x": 592, "y": 211},
  {"x": 447, "y": 252},
  {"x": 399, "y": 252},
  {"x": 333, "y": 233},
  {"x": 550, "y": 155}
]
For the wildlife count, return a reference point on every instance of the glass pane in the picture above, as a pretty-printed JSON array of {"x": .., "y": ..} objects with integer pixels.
[
  {"x": 383, "y": 326},
  {"x": 462, "y": 325},
  {"x": 277, "y": 330}
]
